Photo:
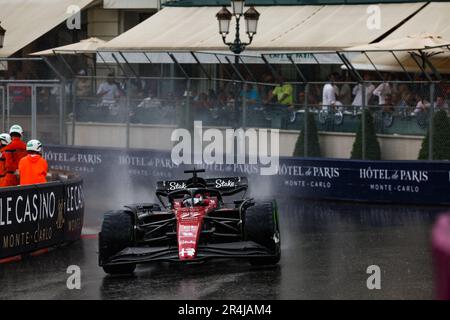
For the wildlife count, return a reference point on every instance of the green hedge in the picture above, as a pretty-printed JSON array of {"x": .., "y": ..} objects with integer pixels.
[
  {"x": 313, "y": 140},
  {"x": 372, "y": 145},
  {"x": 441, "y": 138}
]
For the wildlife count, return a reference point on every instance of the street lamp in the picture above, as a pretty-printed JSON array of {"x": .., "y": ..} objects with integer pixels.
[
  {"x": 224, "y": 17},
  {"x": 251, "y": 17},
  {"x": 2, "y": 35},
  {"x": 238, "y": 7}
]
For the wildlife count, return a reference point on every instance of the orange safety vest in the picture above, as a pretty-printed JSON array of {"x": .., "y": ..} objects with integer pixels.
[
  {"x": 13, "y": 152},
  {"x": 33, "y": 169}
]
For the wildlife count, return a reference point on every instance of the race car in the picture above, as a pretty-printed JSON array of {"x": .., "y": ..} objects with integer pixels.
[{"x": 193, "y": 223}]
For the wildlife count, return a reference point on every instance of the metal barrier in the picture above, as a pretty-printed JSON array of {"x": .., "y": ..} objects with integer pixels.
[
  {"x": 40, "y": 216},
  {"x": 130, "y": 174}
]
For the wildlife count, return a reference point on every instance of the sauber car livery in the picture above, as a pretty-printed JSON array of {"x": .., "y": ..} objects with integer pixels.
[{"x": 193, "y": 222}]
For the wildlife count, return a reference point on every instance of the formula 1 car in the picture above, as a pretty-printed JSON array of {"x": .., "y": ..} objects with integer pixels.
[{"x": 194, "y": 224}]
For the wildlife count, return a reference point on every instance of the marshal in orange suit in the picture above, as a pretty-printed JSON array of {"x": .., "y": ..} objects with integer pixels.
[
  {"x": 13, "y": 152},
  {"x": 33, "y": 168}
]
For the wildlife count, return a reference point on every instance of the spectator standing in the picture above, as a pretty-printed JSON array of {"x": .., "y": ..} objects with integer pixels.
[
  {"x": 358, "y": 91},
  {"x": 329, "y": 93},
  {"x": 108, "y": 90},
  {"x": 83, "y": 85},
  {"x": 283, "y": 93},
  {"x": 422, "y": 105},
  {"x": 381, "y": 92}
]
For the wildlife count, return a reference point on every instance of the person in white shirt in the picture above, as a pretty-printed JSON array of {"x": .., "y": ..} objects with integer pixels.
[
  {"x": 381, "y": 92},
  {"x": 357, "y": 92},
  {"x": 329, "y": 93},
  {"x": 108, "y": 90},
  {"x": 422, "y": 105}
]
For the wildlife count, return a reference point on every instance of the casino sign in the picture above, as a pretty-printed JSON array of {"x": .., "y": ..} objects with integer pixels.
[{"x": 40, "y": 216}]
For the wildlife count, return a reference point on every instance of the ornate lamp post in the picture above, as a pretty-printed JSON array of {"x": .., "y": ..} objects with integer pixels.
[
  {"x": 237, "y": 46},
  {"x": 251, "y": 17},
  {"x": 2, "y": 36}
]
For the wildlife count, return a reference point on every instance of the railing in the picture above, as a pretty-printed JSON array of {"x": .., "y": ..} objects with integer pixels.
[{"x": 406, "y": 110}]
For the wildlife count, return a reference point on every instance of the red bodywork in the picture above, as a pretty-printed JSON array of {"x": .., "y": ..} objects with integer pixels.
[{"x": 189, "y": 225}]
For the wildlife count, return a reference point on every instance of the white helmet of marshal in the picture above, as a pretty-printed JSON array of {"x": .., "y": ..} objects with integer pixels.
[
  {"x": 34, "y": 145},
  {"x": 16, "y": 129},
  {"x": 5, "y": 139}
]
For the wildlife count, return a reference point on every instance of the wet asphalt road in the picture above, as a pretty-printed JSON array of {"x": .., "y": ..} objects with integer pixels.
[{"x": 326, "y": 249}]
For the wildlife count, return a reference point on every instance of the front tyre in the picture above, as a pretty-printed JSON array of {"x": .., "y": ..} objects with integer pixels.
[
  {"x": 117, "y": 233},
  {"x": 261, "y": 225}
]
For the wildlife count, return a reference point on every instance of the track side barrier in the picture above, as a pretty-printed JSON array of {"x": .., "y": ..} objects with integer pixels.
[
  {"x": 105, "y": 170},
  {"x": 40, "y": 216}
]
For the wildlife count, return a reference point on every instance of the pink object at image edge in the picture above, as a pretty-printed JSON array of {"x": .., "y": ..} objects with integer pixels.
[{"x": 441, "y": 256}]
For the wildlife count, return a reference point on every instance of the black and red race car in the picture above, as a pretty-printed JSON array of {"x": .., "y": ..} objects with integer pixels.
[{"x": 193, "y": 223}]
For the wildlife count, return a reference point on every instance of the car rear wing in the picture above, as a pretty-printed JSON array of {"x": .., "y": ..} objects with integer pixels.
[{"x": 226, "y": 186}]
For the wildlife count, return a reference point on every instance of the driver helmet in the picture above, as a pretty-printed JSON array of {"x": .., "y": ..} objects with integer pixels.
[{"x": 187, "y": 201}]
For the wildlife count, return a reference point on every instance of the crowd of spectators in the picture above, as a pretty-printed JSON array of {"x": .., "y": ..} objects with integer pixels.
[
  {"x": 339, "y": 92},
  {"x": 384, "y": 92},
  {"x": 389, "y": 95}
]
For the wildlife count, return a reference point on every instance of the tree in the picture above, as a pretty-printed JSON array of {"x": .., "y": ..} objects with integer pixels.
[
  {"x": 313, "y": 140},
  {"x": 373, "y": 151},
  {"x": 441, "y": 138}
]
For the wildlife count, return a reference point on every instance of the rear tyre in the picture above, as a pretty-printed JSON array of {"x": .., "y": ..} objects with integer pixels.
[
  {"x": 261, "y": 226},
  {"x": 117, "y": 233}
]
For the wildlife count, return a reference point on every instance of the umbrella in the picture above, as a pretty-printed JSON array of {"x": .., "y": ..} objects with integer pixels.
[
  {"x": 404, "y": 54},
  {"x": 84, "y": 46}
]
